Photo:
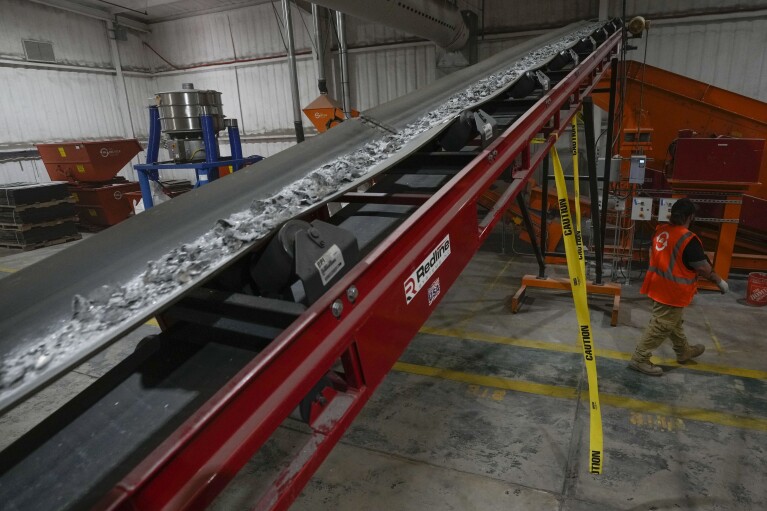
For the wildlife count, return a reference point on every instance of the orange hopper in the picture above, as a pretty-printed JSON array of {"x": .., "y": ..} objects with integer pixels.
[
  {"x": 90, "y": 168},
  {"x": 88, "y": 162},
  {"x": 325, "y": 112}
]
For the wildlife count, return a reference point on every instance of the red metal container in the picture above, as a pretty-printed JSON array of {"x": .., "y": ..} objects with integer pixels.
[
  {"x": 87, "y": 161},
  {"x": 103, "y": 205},
  {"x": 734, "y": 161},
  {"x": 756, "y": 290},
  {"x": 753, "y": 214}
]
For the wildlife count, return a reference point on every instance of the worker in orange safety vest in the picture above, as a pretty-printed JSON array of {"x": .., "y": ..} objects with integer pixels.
[{"x": 676, "y": 261}]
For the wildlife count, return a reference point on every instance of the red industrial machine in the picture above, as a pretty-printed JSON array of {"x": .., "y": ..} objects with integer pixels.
[
  {"x": 90, "y": 168},
  {"x": 721, "y": 162},
  {"x": 715, "y": 172},
  {"x": 278, "y": 328},
  {"x": 715, "y": 136}
]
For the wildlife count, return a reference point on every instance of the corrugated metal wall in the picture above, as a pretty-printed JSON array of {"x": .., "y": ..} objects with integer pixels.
[
  {"x": 240, "y": 34},
  {"x": 133, "y": 55},
  {"x": 726, "y": 54},
  {"x": 50, "y": 105},
  {"x": 25, "y": 171},
  {"x": 141, "y": 90},
  {"x": 76, "y": 39},
  {"x": 75, "y": 98},
  {"x": 672, "y": 8},
  {"x": 380, "y": 75},
  {"x": 365, "y": 33},
  {"x": 517, "y": 16}
]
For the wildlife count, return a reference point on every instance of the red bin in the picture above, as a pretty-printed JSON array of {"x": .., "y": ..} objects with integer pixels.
[{"x": 756, "y": 291}]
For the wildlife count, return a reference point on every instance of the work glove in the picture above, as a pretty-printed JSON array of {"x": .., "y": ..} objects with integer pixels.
[{"x": 723, "y": 286}]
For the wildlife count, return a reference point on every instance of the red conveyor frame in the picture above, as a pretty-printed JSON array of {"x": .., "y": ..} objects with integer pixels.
[{"x": 199, "y": 459}]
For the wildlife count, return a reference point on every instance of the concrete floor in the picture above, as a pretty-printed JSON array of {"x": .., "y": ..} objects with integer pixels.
[{"x": 484, "y": 410}]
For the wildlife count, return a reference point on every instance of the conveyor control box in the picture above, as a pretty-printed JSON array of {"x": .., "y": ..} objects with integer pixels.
[
  {"x": 641, "y": 208},
  {"x": 664, "y": 209}
]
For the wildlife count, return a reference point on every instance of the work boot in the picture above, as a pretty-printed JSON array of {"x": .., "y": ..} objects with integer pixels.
[
  {"x": 646, "y": 368},
  {"x": 690, "y": 353}
]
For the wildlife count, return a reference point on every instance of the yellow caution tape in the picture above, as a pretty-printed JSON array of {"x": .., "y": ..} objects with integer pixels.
[
  {"x": 577, "y": 196},
  {"x": 576, "y": 268}
]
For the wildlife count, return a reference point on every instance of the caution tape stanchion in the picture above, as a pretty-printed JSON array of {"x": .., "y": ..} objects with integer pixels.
[{"x": 576, "y": 269}]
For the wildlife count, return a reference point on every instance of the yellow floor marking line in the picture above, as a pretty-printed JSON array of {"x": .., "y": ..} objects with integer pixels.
[
  {"x": 714, "y": 338},
  {"x": 488, "y": 381},
  {"x": 626, "y": 403},
  {"x": 612, "y": 354},
  {"x": 497, "y": 339},
  {"x": 153, "y": 322}
]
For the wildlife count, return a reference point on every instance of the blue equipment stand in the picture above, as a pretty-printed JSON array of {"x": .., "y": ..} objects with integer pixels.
[{"x": 206, "y": 171}]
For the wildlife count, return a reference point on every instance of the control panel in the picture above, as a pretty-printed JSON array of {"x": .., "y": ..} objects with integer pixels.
[
  {"x": 614, "y": 204},
  {"x": 664, "y": 209},
  {"x": 641, "y": 208}
]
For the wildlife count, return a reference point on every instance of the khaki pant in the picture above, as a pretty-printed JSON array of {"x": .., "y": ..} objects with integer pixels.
[{"x": 666, "y": 322}]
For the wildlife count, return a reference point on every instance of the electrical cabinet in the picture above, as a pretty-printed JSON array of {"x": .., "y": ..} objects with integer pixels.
[
  {"x": 664, "y": 209},
  {"x": 641, "y": 208},
  {"x": 636, "y": 170}
]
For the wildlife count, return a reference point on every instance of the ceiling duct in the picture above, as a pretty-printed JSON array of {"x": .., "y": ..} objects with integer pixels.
[{"x": 437, "y": 21}]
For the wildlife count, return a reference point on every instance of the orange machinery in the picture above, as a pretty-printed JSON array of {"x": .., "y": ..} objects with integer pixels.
[
  {"x": 90, "y": 168},
  {"x": 325, "y": 112},
  {"x": 658, "y": 105}
]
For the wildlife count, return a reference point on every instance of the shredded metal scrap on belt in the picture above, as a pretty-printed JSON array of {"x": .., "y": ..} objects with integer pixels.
[{"x": 183, "y": 266}]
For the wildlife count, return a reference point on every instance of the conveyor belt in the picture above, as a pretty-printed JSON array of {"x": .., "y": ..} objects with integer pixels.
[
  {"x": 86, "y": 447},
  {"x": 37, "y": 301},
  {"x": 214, "y": 336},
  {"x": 80, "y": 453}
]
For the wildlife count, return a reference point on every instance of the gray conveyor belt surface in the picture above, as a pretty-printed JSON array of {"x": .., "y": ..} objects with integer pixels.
[{"x": 36, "y": 303}]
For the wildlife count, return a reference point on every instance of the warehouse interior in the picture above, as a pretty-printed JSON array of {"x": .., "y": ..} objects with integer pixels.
[{"x": 352, "y": 255}]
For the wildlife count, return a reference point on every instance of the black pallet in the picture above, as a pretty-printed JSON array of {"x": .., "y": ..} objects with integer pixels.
[
  {"x": 36, "y": 215},
  {"x": 39, "y": 236},
  {"x": 15, "y": 194}
]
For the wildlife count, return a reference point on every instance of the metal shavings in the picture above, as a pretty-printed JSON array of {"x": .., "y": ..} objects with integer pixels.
[{"x": 179, "y": 269}]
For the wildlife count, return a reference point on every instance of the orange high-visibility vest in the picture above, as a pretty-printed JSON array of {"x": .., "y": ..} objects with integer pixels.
[{"x": 668, "y": 280}]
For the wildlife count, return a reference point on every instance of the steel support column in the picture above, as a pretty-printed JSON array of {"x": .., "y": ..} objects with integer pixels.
[
  {"x": 319, "y": 43},
  {"x": 297, "y": 121},
  {"x": 591, "y": 155},
  {"x": 343, "y": 55},
  {"x": 531, "y": 233},
  {"x": 608, "y": 150},
  {"x": 544, "y": 213}
]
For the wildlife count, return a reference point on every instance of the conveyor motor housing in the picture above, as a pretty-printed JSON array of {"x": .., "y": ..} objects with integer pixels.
[{"x": 304, "y": 260}]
